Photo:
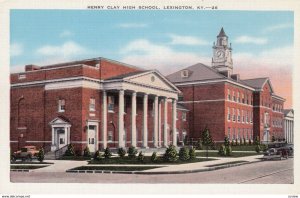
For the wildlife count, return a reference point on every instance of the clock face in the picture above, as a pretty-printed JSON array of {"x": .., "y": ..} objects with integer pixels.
[{"x": 220, "y": 54}]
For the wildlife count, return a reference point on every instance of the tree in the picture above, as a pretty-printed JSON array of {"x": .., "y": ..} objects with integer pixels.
[
  {"x": 107, "y": 153},
  {"x": 154, "y": 157},
  {"x": 132, "y": 152},
  {"x": 141, "y": 157},
  {"x": 192, "y": 153},
  {"x": 97, "y": 156},
  {"x": 206, "y": 140},
  {"x": 184, "y": 154},
  {"x": 70, "y": 150},
  {"x": 226, "y": 141},
  {"x": 41, "y": 155},
  {"x": 170, "y": 154},
  {"x": 222, "y": 150},
  {"x": 121, "y": 152},
  {"x": 86, "y": 152}
]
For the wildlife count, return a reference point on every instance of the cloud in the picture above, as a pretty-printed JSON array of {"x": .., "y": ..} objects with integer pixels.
[
  {"x": 132, "y": 25},
  {"x": 67, "y": 49},
  {"x": 251, "y": 40},
  {"x": 65, "y": 33},
  {"x": 16, "y": 49},
  {"x": 278, "y": 27},
  {"x": 186, "y": 40},
  {"x": 148, "y": 55}
]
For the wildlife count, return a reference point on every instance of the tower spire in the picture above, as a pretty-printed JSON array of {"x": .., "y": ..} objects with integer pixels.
[{"x": 222, "y": 33}]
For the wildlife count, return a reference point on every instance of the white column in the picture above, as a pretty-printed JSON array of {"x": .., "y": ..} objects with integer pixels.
[
  {"x": 159, "y": 123},
  {"x": 121, "y": 119},
  {"x": 290, "y": 129},
  {"x": 104, "y": 119},
  {"x": 133, "y": 119},
  {"x": 292, "y": 132},
  {"x": 155, "y": 127},
  {"x": 66, "y": 135},
  {"x": 53, "y": 147},
  {"x": 145, "y": 121},
  {"x": 69, "y": 139},
  {"x": 165, "y": 122},
  {"x": 174, "y": 122}
]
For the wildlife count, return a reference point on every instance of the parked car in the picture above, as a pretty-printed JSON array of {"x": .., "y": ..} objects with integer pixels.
[
  {"x": 25, "y": 153},
  {"x": 277, "y": 153}
]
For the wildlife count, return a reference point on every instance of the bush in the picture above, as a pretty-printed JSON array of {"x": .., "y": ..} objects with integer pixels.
[
  {"x": 257, "y": 149},
  {"x": 184, "y": 154},
  {"x": 245, "y": 143},
  {"x": 154, "y": 157},
  {"x": 232, "y": 143},
  {"x": 41, "y": 155},
  {"x": 86, "y": 152},
  {"x": 97, "y": 156},
  {"x": 107, "y": 153},
  {"x": 121, "y": 152},
  {"x": 170, "y": 154},
  {"x": 192, "y": 153},
  {"x": 226, "y": 141},
  {"x": 199, "y": 145},
  {"x": 141, "y": 157},
  {"x": 222, "y": 150},
  {"x": 132, "y": 152},
  {"x": 228, "y": 151},
  {"x": 70, "y": 150}
]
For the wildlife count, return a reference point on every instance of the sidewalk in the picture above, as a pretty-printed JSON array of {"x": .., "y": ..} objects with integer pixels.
[{"x": 60, "y": 166}]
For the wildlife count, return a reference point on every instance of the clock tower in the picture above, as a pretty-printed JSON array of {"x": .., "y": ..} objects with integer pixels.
[{"x": 222, "y": 60}]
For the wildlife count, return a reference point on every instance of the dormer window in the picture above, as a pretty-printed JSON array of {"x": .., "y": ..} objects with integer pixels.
[{"x": 185, "y": 73}]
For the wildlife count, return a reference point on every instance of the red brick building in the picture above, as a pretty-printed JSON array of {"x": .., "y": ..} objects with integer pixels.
[
  {"x": 103, "y": 103},
  {"x": 224, "y": 103},
  {"x": 97, "y": 103}
]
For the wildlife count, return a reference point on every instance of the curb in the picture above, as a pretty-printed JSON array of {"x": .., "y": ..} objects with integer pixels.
[
  {"x": 19, "y": 170},
  {"x": 163, "y": 172}
]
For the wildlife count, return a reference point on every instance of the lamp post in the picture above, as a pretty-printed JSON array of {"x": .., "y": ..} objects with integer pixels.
[{"x": 20, "y": 136}]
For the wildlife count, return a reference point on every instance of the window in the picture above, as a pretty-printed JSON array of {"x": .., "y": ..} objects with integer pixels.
[
  {"x": 92, "y": 104},
  {"x": 243, "y": 98},
  {"x": 228, "y": 94},
  {"x": 233, "y": 114},
  {"x": 184, "y": 135},
  {"x": 233, "y": 96},
  {"x": 110, "y": 136},
  {"x": 238, "y": 115},
  {"x": 228, "y": 133},
  {"x": 247, "y": 116},
  {"x": 111, "y": 103},
  {"x": 61, "y": 105},
  {"x": 233, "y": 134},
  {"x": 251, "y": 117},
  {"x": 228, "y": 114},
  {"x": 184, "y": 116},
  {"x": 238, "y": 96},
  {"x": 243, "y": 116},
  {"x": 184, "y": 73}
]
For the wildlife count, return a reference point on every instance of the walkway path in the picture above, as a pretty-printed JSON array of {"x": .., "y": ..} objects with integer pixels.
[{"x": 60, "y": 166}]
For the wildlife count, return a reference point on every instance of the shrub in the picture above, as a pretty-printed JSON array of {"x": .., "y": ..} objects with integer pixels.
[
  {"x": 41, "y": 155},
  {"x": 245, "y": 143},
  {"x": 132, "y": 152},
  {"x": 228, "y": 151},
  {"x": 70, "y": 150},
  {"x": 184, "y": 154},
  {"x": 121, "y": 152},
  {"x": 257, "y": 149},
  {"x": 86, "y": 152},
  {"x": 222, "y": 150},
  {"x": 226, "y": 141},
  {"x": 154, "y": 157},
  {"x": 199, "y": 145},
  {"x": 141, "y": 157},
  {"x": 232, "y": 143},
  {"x": 97, "y": 156},
  {"x": 107, "y": 153},
  {"x": 213, "y": 145},
  {"x": 170, "y": 154},
  {"x": 192, "y": 153}
]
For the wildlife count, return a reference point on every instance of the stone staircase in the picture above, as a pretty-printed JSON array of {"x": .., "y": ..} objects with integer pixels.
[{"x": 50, "y": 155}]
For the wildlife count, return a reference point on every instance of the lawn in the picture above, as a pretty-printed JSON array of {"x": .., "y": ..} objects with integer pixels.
[
  {"x": 76, "y": 158},
  {"x": 234, "y": 154},
  {"x": 27, "y": 167},
  {"x": 244, "y": 148},
  {"x": 33, "y": 162},
  {"x": 116, "y": 168},
  {"x": 147, "y": 160}
]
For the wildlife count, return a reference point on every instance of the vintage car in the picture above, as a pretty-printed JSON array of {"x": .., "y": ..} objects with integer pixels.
[
  {"x": 25, "y": 153},
  {"x": 277, "y": 153}
]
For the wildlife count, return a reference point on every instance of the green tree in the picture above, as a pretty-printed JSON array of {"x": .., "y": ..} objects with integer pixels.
[
  {"x": 141, "y": 157},
  {"x": 121, "y": 152},
  {"x": 41, "y": 155},
  {"x": 170, "y": 154},
  {"x": 226, "y": 141},
  {"x": 70, "y": 150},
  {"x": 132, "y": 152},
  {"x": 206, "y": 140},
  {"x": 222, "y": 150},
  {"x": 107, "y": 153},
  {"x": 86, "y": 152},
  {"x": 97, "y": 156},
  {"x": 192, "y": 153},
  {"x": 154, "y": 157},
  {"x": 184, "y": 154}
]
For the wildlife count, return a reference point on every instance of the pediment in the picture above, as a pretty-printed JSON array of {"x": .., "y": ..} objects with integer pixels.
[
  {"x": 58, "y": 121},
  {"x": 153, "y": 79}
]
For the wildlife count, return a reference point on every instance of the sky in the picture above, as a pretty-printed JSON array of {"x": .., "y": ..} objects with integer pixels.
[{"x": 166, "y": 40}]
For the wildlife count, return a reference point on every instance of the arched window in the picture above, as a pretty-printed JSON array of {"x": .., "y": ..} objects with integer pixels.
[{"x": 21, "y": 113}]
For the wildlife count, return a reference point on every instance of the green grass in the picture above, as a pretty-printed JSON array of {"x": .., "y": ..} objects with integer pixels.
[
  {"x": 37, "y": 162},
  {"x": 235, "y": 162},
  {"x": 116, "y": 168},
  {"x": 76, "y": 158},
  {"x": 147, "y": 160},
  {"x": 234, "y": 154},
  {"x": 13, "y": 167},
  {"x": 243, "y": 148}
]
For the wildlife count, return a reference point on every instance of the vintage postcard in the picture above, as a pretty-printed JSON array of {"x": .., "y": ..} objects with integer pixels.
[{"x": 153, "y": 93}]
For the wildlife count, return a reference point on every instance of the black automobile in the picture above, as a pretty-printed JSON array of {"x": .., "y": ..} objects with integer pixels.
[{"x": 278, "y": 153}]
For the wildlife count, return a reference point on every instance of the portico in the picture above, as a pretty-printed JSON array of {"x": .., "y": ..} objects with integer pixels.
[{"x": 150, "y": 88}]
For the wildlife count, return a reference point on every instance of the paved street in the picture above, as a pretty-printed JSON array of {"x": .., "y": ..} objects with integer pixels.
[{"x": 280, "y": 172}]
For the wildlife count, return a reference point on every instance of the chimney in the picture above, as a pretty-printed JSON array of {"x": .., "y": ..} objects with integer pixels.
[{"x": 31, "y": 67}]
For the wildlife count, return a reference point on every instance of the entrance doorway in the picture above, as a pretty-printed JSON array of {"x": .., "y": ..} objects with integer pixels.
[
  {"x": 61, "y": 138},
  {"x": 92, "y": 129}
]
